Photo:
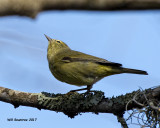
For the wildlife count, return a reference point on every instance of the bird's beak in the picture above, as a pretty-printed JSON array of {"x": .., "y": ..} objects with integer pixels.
[{"x": 48, "y": 38}]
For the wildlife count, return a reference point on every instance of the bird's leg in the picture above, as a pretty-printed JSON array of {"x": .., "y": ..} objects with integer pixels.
[
  {"x": 79, "y": 89},
  {"x": 89, "y": 88}
]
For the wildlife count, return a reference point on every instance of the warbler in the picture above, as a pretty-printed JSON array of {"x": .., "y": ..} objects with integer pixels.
[{"x": 78, "y": 68}]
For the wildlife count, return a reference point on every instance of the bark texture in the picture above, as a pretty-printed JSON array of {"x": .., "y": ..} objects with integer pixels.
[{"x": 72, "y": 104}]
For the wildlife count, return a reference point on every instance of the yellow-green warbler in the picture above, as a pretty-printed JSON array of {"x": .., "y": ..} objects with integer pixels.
[{"x": 78, "y": 68}]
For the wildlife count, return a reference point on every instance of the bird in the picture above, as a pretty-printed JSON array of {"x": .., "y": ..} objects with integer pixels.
[{"x": 80, "y": 69}]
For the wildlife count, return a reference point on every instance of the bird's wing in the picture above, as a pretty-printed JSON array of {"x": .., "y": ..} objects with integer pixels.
[{"x": 87, "y": 58}]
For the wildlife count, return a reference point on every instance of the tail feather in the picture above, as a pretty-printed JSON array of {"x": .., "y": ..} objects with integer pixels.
[{"x": 135, "y": 71}]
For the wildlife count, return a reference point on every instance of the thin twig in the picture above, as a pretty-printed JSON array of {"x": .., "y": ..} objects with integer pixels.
[{"x": 134, "y": 99}]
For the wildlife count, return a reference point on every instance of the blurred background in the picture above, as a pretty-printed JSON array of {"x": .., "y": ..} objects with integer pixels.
[{"x": 128, "y": 37}]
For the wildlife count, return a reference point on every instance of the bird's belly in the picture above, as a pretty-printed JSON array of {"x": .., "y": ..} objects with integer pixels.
[
  {"x": 73, "y": 78},
  {"x": 76, "y": 73}
]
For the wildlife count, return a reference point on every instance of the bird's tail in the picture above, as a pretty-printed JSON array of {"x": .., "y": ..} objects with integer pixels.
[{"x": 135, "y": 71}]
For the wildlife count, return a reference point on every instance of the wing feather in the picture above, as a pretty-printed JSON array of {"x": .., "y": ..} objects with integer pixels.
[{"x": 94, "y": 60}]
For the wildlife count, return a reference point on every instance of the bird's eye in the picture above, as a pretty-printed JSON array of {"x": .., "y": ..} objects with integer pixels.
[{"x": 58, "y": 41}]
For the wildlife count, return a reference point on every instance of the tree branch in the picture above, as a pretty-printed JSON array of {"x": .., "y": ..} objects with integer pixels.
[
  {"x": 31, "y": 8},
  {"x": 72, "y": 104},
  {"x": 122, "y": 121}
]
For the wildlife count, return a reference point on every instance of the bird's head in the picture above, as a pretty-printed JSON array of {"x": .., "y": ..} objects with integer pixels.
[{"x": 55, "y": 46}]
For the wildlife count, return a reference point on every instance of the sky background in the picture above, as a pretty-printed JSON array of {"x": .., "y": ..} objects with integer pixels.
[{"x": 128, "y": 37}]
